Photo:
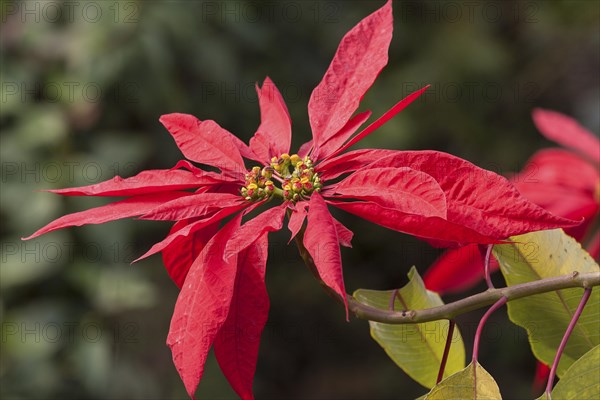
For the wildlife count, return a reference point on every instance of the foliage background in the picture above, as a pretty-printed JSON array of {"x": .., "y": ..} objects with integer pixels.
[{"x": 83, "y": 86}]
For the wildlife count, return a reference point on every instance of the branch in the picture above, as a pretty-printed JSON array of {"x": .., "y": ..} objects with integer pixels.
[{"x": 451, "y": 310}]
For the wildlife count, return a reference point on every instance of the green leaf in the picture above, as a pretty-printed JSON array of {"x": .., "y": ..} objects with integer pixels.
[
  {"x": 473, "y": 382},
  {"x": 416, "y": 348},
  {"x": 545, "y": 254},
  {"x": 582, "y": 379}
]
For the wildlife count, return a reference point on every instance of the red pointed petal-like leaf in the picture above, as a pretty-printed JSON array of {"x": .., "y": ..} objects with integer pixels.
[
  {"x": 321, "y": 241},
  {"x": 297, "y": 218},
  {"x": 205, "y": 142},
  {"x": 457, "y": 270},
  {"x": 344, "y": 234},
  {"x": 193, "y": 206},
  {"x": 130, "y": 207},
  {"x": 185, "y": 230},
  {"x": 558, "y": 168},
  {"x": 338, "y": 139},
  {"x": 181, "y": 252},
  {"x": 360, "y": 57},
  {"x": 269, "y": 221},
  {"x": 151, "y": 181},
  {"x": 349, "y": 162},
  {"x": 435, "y": 230},
  {"x": 566, "y": 131},
  {"x": 202, "y": 307},
  {"x": 540, "y": 377},
  {"x": 274, "y": 135},
  {"x": 237, "y": 343},
  {"x": 402, "y": 189},
  {"x": 305, "y": 149},
  {"x": 476, "y": 198},
  {"x": 208, "y": 175},
  {"x": 401, "y": 105}
]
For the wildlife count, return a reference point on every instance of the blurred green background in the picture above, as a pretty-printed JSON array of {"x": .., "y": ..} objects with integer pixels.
[{"x": 83, "y": 86}]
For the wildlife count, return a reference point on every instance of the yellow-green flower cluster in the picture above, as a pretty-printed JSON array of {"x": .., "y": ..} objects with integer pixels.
[
  {"x": 300, "y": 179},
  {"x": 297, "y": 176},
  {"x": 258, "y": 185}
]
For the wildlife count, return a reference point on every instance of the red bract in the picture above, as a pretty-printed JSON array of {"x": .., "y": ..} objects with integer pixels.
[
  {"x": 564, "y": 182},
  {"x": 432, "y": 195}
]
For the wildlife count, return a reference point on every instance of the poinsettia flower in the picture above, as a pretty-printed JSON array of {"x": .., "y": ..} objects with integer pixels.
[
  {"x": 220, "y": 270},
  {"x": 564, "y": 182}
]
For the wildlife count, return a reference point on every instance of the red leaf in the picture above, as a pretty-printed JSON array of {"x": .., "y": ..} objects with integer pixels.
[
  {"x": 202, "y": 307},
  {"x": 274, "y": 134},
  {"x": 457, "y": 270},
  {"x": 339, "y": 138},
  {"x": 130, "y": 207},
  {"x": 557, "y": 170},
  {"x": 181, "y": 252},
  {"x": 563, "y": 183},
  {"x": 556, "y": 179},
  {"x": 297, "y": 218},
  {"x": 237, "y": 343},
  {"x": 360, "y": 57},
  {"x": 321, "y": 241},
  {"x": 151, "y": 181},
  {"x": 305, "y": 149},
  {"x": 344, "y": 234},
  {"x": 296, "y": 221},
  {"x": 476, "y": 198},
  {"x": 351, "y": 161},
  {"x": 566, "y": 131},
  {"x": 435, "y": 230},
  {"x": 269, "y": 221},
  {"x": 542, "y": 372},
  {"x": 401, "y": 105},
  {"x": 189, "y": 227},
  {"x": 401, "y": 189},
  {"x": 195, "y": 205},
  {"x": 205, "y": 142}
]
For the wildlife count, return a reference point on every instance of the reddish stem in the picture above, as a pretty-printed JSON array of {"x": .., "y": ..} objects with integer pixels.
[
  {"x": 486, "y": 266},
  {"x": 563, "y": 343},
  {"x": 393, "y": 299},
  {"x": 484, "y": 319},
  {"x": 446, "y": 351}
]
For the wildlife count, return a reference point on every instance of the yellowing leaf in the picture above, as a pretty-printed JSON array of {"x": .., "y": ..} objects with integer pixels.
[
  {"x": 582, "y": 379},
  {"x": 416, "y": 348},
  {"x": 545, "y": 254},
  {"x": 473, "y": 382}
]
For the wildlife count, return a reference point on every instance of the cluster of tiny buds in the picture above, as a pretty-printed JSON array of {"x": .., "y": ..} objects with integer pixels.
[
  {"x": 258, "y": 185},
  {"x": 297, "y": 176}
]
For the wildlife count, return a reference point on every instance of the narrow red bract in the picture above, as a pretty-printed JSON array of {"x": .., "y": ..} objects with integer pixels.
[
  {"x": 220, "y": 270},
  {"x": 236, "y": 344},
  {"x": 321, "y": 241}
]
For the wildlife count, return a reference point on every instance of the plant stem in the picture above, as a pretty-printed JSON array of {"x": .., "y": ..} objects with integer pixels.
[
  {"x": 451, "y": 310},
  {"x": 502, "y": 301},
  {"x": 486, "y": 266},
  {"x": 477, "y": 339},
  {"x": 563, "y": 343},
  {"x": 446, "y": 351}
]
